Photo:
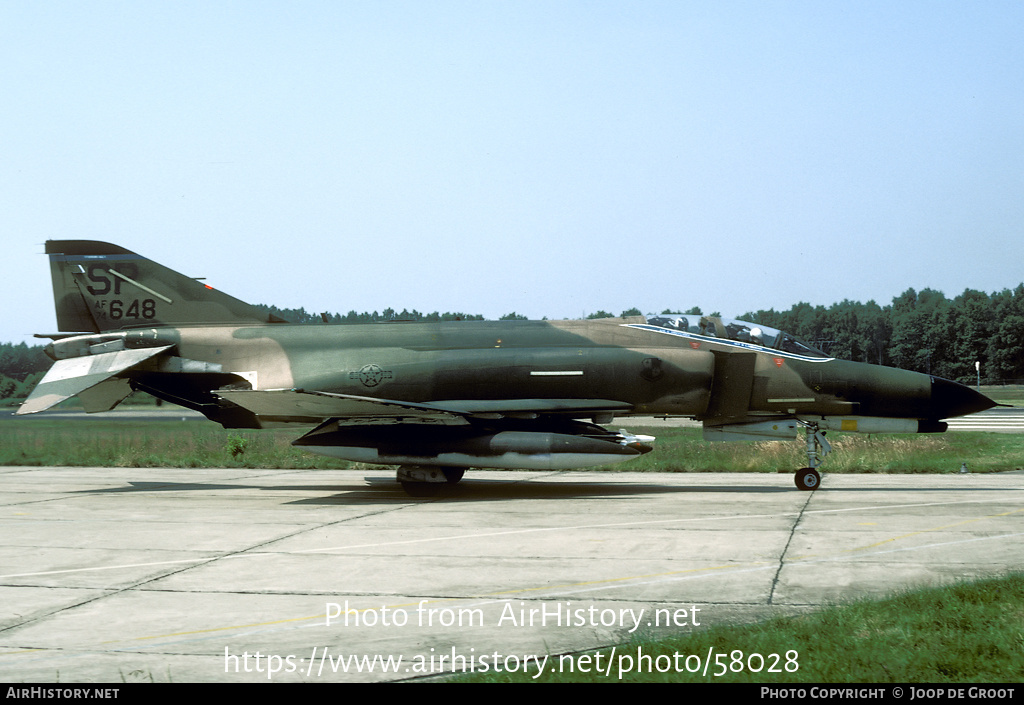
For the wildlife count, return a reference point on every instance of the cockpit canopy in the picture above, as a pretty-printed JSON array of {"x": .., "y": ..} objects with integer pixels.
[{"x": 733, "y": 329}]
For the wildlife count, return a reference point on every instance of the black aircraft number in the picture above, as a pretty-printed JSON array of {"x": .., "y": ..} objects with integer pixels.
[{"x": 132, "y": 309}]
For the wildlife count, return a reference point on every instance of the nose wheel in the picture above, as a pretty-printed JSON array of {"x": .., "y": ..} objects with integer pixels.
[{"x": 809, "y": 478}]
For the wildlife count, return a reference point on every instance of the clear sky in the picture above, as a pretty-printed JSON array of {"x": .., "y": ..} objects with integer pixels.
[{"x": 489, "y": 156}]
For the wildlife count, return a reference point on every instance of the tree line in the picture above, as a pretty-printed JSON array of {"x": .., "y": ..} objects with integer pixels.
[
  {"x": 21, "y": 366},
  {"x": 920, "y": 330},
  {"x": 301, "y": 315}
]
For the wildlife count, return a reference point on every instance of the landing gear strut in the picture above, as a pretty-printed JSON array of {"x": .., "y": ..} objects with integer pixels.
[{"x": 817, "y": 448}]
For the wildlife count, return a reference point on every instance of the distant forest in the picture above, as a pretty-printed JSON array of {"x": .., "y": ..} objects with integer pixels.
[
  {"x": 920, "y": 330},
  {"x": 301, "y": 315}
]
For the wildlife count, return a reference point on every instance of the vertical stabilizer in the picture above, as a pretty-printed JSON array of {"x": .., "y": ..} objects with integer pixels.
[{"x": 100, "y": 287}]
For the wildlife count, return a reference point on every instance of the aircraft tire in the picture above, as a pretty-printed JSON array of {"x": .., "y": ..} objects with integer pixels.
[
  {"x": 807, "y": 479},
  {"x": 453, "y": 475}
]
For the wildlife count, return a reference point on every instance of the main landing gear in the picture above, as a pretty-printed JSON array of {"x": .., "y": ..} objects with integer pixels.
[
  {"x": 817, "y": 448},
  {"x": 427, "y": 481}
]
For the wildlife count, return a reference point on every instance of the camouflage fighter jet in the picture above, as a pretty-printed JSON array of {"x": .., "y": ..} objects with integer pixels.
[{"x": 437, "y": 398}]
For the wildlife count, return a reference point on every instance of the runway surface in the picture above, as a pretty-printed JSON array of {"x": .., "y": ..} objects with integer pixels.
[{"x": 123, "y": 574}]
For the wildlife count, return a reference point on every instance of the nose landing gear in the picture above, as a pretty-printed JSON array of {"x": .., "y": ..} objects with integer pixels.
[{"x": 817, "y": 448}]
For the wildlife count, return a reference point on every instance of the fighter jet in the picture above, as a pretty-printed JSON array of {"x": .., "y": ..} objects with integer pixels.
[{"x": 437, "y": 398}]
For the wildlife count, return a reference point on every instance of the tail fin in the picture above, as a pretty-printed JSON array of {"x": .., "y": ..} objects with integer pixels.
[{"x": 99, "y": 287}]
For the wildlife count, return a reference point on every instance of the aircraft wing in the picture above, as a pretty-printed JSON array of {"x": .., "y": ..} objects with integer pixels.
[
  {"x": 350, "y": 409},
  {"x": 80, "y": 375}
]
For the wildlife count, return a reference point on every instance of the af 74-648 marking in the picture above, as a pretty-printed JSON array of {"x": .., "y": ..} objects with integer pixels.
[{"x": 438, "y": 398}]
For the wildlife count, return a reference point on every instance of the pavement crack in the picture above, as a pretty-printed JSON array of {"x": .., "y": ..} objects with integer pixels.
[{"x": 785, "y": 549}]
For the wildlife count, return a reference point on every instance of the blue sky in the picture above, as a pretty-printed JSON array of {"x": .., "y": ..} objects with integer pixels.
[{"x": 549, "y": 158}]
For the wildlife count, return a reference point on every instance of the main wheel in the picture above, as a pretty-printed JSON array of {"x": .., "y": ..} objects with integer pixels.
[
  {"x": 807, "y": 479},
  {"x": 453, "y": 475}
]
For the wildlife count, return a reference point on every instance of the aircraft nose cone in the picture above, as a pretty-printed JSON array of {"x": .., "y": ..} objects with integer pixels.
[{"x": 951, "y": 399}]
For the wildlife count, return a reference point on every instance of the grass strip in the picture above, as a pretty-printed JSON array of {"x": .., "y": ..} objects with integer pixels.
[{"x": 197, "y": 443}]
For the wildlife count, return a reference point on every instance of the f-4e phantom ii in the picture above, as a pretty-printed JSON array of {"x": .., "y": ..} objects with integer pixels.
[{"x": 437, "y": 398}]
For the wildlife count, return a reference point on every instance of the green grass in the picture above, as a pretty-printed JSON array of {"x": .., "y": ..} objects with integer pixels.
[
  {"x": 1012, "y": 394},
  {"x": 683, "y": 450},
  {"x": 128, "y": 443},
  {"x": 99, "y": 441},
  {"x": 966, "y": 633}
]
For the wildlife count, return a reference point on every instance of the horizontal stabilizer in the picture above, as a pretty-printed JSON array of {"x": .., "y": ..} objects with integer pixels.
[
  {"x": 77, "y": 374},
  {"x": 105, "y": 395}
]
